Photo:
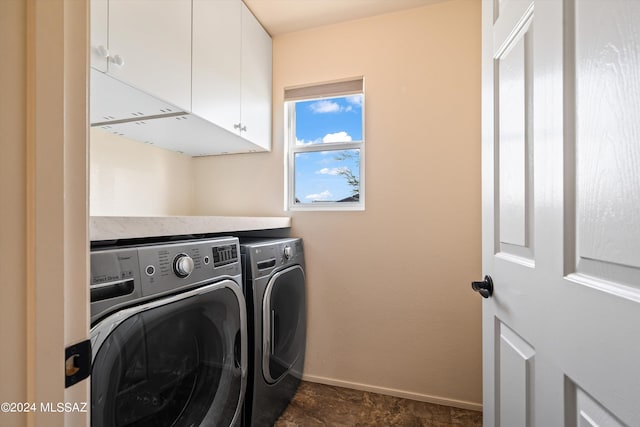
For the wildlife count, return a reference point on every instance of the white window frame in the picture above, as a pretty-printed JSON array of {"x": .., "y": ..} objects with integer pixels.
[{"x": 335, "y": 89}]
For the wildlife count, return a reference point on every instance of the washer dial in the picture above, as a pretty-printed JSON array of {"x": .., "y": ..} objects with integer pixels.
[{"x": 183, "y": 265}]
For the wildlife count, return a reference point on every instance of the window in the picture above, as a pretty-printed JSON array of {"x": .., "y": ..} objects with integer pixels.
[{"x": 325, "y": 146}]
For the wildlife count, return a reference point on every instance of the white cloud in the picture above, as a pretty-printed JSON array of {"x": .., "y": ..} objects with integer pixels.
[
  {"x": 324, "y": 106},
  {"x": 355, "y": 100},
  {"x": 303, "y": 142},
  {"x": 325, "y": 195},
  {"x": 327, "y": 106},
  {"x": 332, "y": 171},
  {"x": 337, "y": 137}
]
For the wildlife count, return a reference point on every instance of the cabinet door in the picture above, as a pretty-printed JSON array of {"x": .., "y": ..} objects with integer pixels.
[
  {"x": 99, "y": 42},
  {"x": 153, "y": 38},
  {"x": 256, "y": 81},
  {"x": 216, "y": 62}
]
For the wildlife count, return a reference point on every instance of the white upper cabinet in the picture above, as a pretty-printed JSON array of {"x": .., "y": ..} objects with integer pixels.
[
  {"x": 232, "y": 69},
  {"x": 150, "y": 47},
  {"x": 256, "y": 81},
  {"x": 99, "y": 34},
  {"x": 166, "y": 59},
  {"x": 216, "y": 62},
  {"x": 145, "y": 44}
]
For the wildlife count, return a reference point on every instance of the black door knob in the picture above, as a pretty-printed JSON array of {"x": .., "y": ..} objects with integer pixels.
[{"x": 485, "y": 288}]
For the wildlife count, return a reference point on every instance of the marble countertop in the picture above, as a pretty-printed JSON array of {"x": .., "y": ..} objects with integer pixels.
[{"x": 134, "y": 227}]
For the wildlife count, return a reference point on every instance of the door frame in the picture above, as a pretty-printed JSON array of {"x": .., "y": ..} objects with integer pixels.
[{"x": 45, "y": 198}]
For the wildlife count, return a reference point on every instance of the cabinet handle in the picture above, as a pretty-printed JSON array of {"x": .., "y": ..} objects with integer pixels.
[
  {"x": 102, "y": 51},
  {"x": 236, "y": 125},
  {"x": 243, "y": 129},
  {"x": 117, "y": 60}
]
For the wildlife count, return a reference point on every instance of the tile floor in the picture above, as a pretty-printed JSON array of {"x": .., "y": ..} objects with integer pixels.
[{"x": 323, "y": 405}]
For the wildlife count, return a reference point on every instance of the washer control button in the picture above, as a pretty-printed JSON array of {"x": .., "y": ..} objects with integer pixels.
[
  {"x": 183, "y": 265},
  {"x": 288, "y": 252},
  {"x": 206, "y": 260},
  {"x": 150, "y": 270}
]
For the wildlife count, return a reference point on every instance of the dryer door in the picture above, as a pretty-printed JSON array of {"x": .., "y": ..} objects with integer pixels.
[
  {"x": 284, "y": 320},
  {"x": 177, "y": 361}
]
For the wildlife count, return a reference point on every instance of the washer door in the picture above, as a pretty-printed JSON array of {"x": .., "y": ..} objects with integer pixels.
[
  {"x": 177, "y": 361},
  {"x": 284, "y": 323}
]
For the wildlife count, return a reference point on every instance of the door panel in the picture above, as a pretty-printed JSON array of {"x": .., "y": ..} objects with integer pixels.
[
  {"x": 515, "y": 365},
  {"x": 284, "y": 320},
  {"x": 560, "y": 332},
  {"x": 175, "y": 361},
  {"x": 589, "y": 413},
  {"x": 607, "y": 155},
  {"x": 512, "y": 143},
  {"x": 515, "y": 153}
]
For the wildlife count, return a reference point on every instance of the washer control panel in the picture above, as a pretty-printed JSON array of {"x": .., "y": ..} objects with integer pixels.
[
  {"x": 121, "y": 276},
  {"x": 172, "y": 266},
  {"x": 270, "y": 254}
]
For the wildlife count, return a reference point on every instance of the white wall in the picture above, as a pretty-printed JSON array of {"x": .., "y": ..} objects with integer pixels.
[{"x": 131, "y": 178}]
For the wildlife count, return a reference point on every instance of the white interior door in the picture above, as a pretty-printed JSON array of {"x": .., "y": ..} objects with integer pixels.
[{"x": 561, "y": 212}]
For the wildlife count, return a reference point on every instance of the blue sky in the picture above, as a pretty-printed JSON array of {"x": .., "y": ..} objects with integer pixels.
[{"x": 318, "y": 174}]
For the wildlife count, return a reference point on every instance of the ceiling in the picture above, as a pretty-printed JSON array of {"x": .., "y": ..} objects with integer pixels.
[{"x": 285, "y": 16}]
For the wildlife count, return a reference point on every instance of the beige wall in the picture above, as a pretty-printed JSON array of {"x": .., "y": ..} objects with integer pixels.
[
  {"x": 131, "y": 178},
  {"x": 390, "y": 307},
  {"x": 13, "y": 222},
  {"x": 43, "y": 214}
]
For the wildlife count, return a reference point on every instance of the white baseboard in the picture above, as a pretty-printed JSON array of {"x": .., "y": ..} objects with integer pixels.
[{"x": 394, "y": 392}]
